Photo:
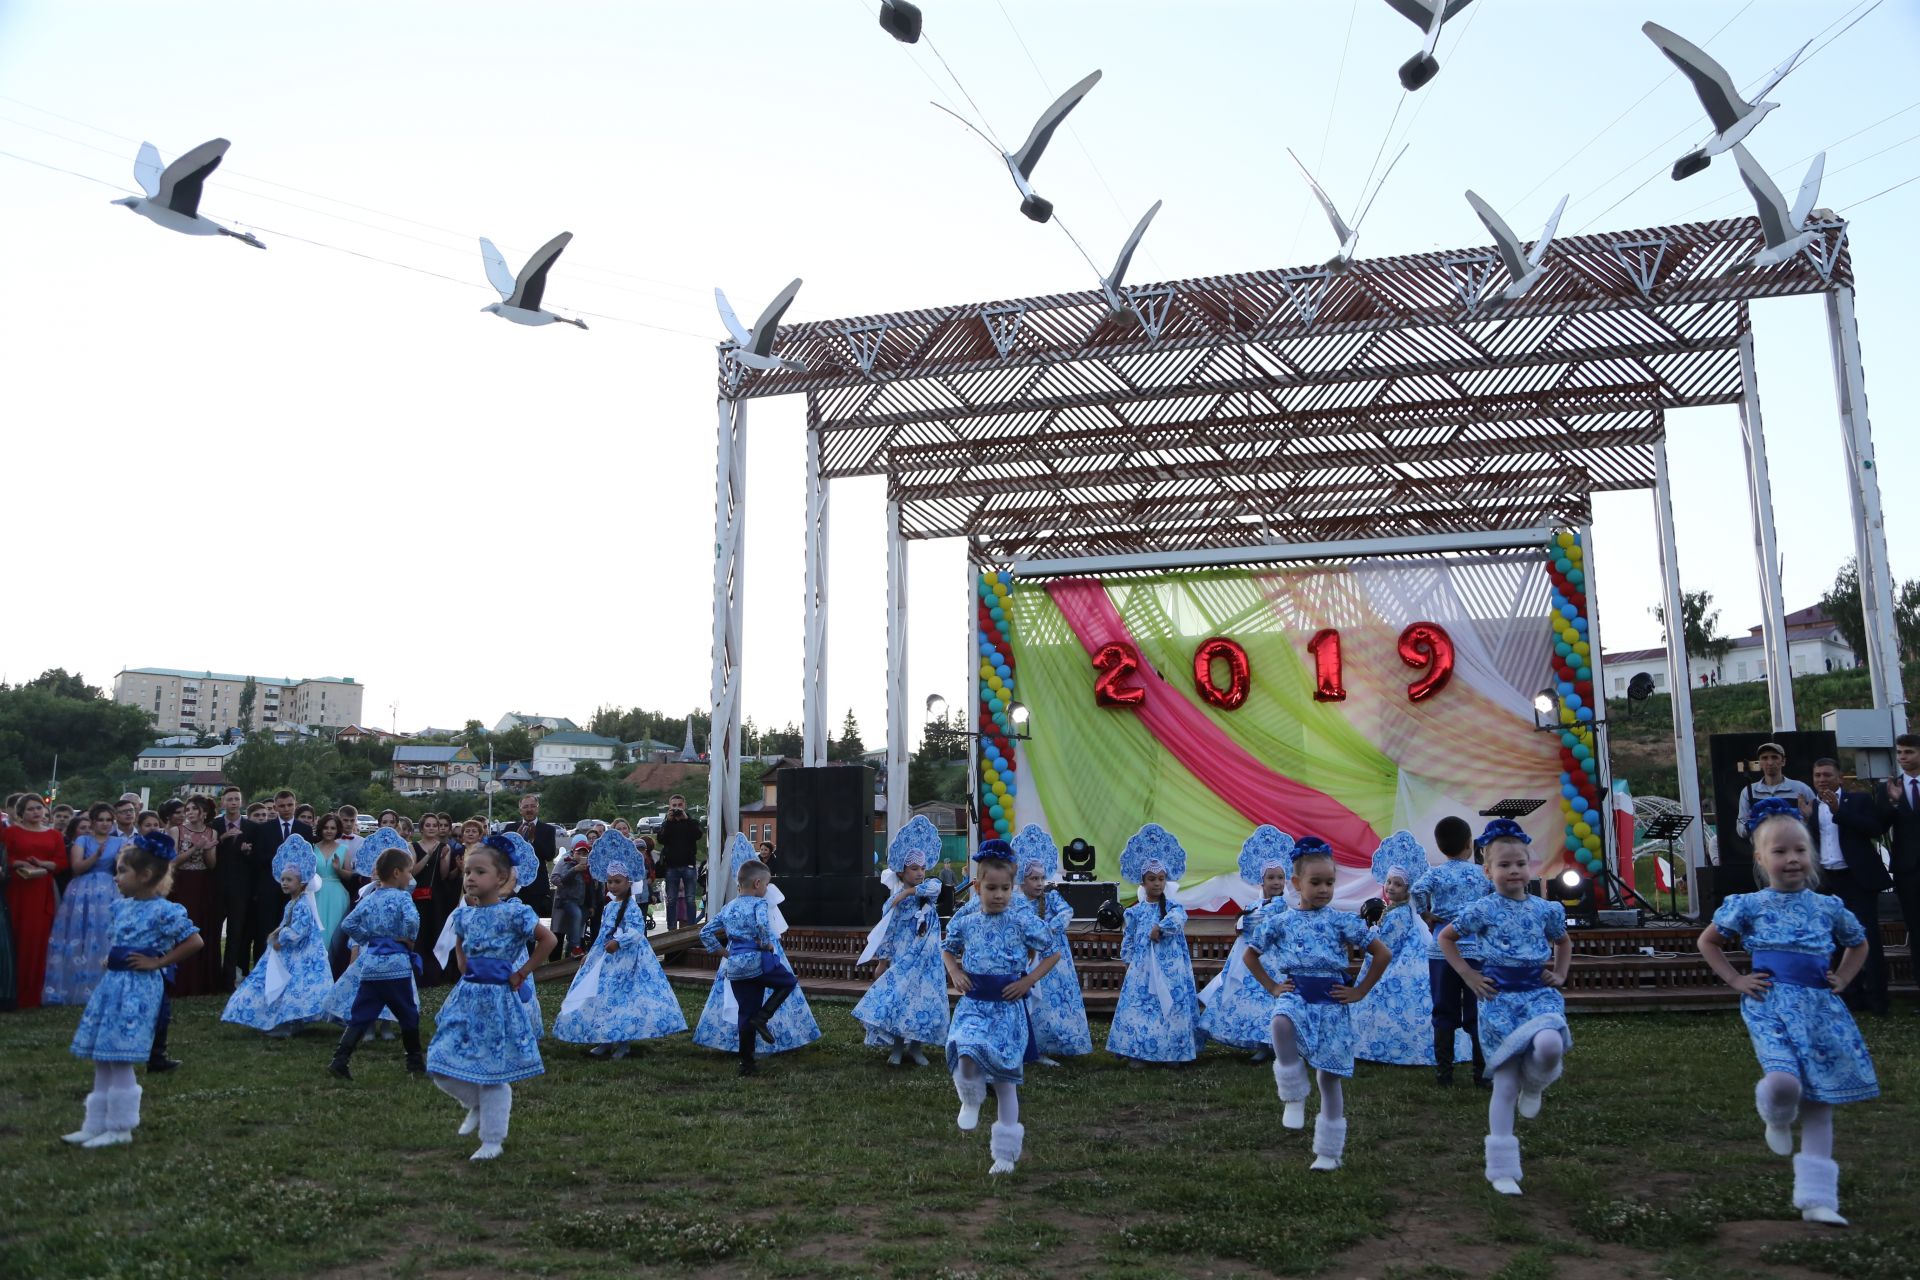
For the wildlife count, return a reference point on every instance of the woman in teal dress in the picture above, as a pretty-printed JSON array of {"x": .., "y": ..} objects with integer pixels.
[{"x": 334, "y": 860}]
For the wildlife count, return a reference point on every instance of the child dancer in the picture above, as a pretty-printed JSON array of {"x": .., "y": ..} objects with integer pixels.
[
  {"x": 78, "y": 948},
  {"x": 290, "y": 989},
  {"x": 1396, "y": 1022},
  {"x": 148, "y": 934},
  {"x": 346, "y": 988},
  {"x": 1153, "y": 1020},
  {"x": 385, "y": 925},
  {"x": 1056, "y": 1008},
  {"x": 620, "y": 993},
  {"x": 991, "y": 1038},
  {"x": 906, "y": 1006},
  {"x": 755, "y": 964},
  {"x": 1524, "y": 954},
  {"x": 483, "y": 1040},
  {"x": 1439, "y": 894},
  {"x": 1238, "y": 1010},
  {"x": 1312, "y": 1025},
  {"x": 1810, "y": 1051}
]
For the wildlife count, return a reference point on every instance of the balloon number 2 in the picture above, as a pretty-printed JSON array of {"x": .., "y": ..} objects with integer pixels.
[{"x": 1425, "y": 646}]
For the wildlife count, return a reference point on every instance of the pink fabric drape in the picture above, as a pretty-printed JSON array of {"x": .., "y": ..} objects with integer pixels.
[{"x": 1256, "y": 792}]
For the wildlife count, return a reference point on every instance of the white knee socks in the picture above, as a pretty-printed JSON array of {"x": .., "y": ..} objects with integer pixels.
[
  {"x": 1777, "y": 1098},
  {"x": 1006, "y": 1141},
  {"x": 495, "y": 1106},
  {"x": 1289, "y": 1073},
  {"x": 113, "y": 1108},
  {"x": 95, "y": 1123},
  {"x": 1816, "y": 1189},
  {"x": 1539, "y": 1067},
  {"x": 967, "y": 1082},
  {"x": 1503, "y": 1164}
]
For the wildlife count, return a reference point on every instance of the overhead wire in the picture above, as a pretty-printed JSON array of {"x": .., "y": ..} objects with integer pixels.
[{"x": 1333, "y": 107}]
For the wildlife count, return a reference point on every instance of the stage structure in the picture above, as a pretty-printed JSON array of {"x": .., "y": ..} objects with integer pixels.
[{"x": 1397, "y": 408}]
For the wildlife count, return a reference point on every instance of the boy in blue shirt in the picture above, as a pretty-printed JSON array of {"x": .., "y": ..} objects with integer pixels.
[
  {"x": 1440, "y": 894},
  {"x": 752, "y": 968}
]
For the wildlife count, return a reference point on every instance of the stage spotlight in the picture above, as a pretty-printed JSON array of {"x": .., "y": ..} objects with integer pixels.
[
  {"x": 1109, "y": 916},
  {"x": 1570, "y": 878},
  {"x": 936, "y": 707},
  {"x": 1018, "y": 713},
  {"x": 1543, "y": 703},
  {"x": 1077, "y": 860},
  {"x": 1576, "y": 895}
]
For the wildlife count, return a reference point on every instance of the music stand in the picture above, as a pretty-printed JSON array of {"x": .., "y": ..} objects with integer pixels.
[
  {"x": 1515, "y": 809},
  {"x": 1670, "y": 827}
]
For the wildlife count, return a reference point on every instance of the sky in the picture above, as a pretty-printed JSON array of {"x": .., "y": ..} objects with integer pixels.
[{"x": 324, "y": 460}]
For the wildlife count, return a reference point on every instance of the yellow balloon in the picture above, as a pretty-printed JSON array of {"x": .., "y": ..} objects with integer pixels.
[
  {"x": 1582, "y": 830},
  {"x": 1592, "y": 842},
  {"x": 1567, "y": 716}
]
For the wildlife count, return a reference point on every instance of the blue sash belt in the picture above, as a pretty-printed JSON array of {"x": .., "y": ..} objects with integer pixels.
[
  {"x": 120, "y": 959},
  {"x": 1315, "y": 988},
  {"x": 490, "y": 971},
  {"x": 1515, "y": 977},
  {"x": 743, "y": 947},
  {"x": 1795, "y": 968},
  {"x": 990, "y": 988},
  {"x": 395, "y": 947}
]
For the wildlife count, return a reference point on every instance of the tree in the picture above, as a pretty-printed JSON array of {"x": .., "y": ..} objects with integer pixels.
[
  {"x": 1842, "y": 604},
  {"x": 515, "y": 744},
  {"x": 847, "y": 746},
  {"x": 248, "y": 692},
  {"x": 1906, "y": 616},
  {"x": 47, "y": 718},
  {"x": 58, "y": 682},
  {"x": 1699, "y": 625}
]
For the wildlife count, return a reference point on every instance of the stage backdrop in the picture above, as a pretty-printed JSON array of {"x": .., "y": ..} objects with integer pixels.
[{"x": 1347, "y": 719}]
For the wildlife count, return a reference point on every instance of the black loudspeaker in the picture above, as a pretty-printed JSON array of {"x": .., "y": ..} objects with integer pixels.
[
  {"x": 1085, "y": 896},
  {"x": 829, "y": 901},
  {"x": 844, "y": 821},
  {"x": 1731, "y": 757},
  {"x": 797, "y": 821}
]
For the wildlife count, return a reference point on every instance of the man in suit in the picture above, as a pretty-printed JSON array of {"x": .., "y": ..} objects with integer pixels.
[
  {"x": 233, "y": 874},
  {"x": 1844, "y": 825},
  {"x": 265, "y": 839},
  {"x": 1899, "y": 804},
  {"x": 544, "y": 838}
]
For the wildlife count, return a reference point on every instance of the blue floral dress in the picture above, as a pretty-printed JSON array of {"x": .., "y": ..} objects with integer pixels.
[
  {"x": 1516, "y": 933},
  {"x": 1153, "y": 1019},
  {"x": 793, "y": 1025},
  {"x": 290, "y": 986},
  {"x": 996, "y": 1033},
  {"x": 1802, "y": 1030},
  {"x": 384, "y": 913},
  {"x": 77, "y": 949},
  {"x": 1312, "y": 945},
  {"x": 483, "y": 1034},
  {"x": 1395, "y": 1022},
  {"x": 117, "y": 1025},
  {"x": 1058, "y": 1011},
  {"x": 620, "y": 996},
  {"x": 1239, "y": 1011},
  {"x": 1444, "y": 892},
  {"x": 909, "y": 1001}
]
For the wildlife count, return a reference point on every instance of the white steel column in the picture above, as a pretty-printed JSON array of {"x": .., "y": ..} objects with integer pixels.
[
  {"x": 1603, "y": 780},
  {"x": 1773, "y": 613},
  {"x": 723, "y": 736},
  {"x": 1869, "y": 522},
  {"x": 1679, "y": 673},
  {"x": 813, "y": 689},
  {"x": 896, "y": 673}
]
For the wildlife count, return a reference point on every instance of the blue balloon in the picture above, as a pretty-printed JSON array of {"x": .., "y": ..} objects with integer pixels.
[
  {"x": 1573, "y": 844},
  {"x": 1577, "y": 577},
  {"x": 1562, "y": 648},
  {"x": 1571, "y": 614},
  {"x": 1565, "y": 687},
  {"x": 1571, "y": 698},
  {"x": 1011, "y": 789},
  {"x": 1563, "y": 564},
  {"x": 1002, "y": 670},
  {"x": 1006, "y": 579},
  {"x": 1580, "y": 625},
  {"x": 1568, "y": 790},
  {"x": 1584, "y": 714}
]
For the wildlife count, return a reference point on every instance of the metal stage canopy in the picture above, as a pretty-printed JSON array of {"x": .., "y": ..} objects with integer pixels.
[{"x": 1399, "y": 400}]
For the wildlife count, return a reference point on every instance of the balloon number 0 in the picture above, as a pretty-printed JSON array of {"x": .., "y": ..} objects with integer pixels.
[{"x": 1423, "y": 645}]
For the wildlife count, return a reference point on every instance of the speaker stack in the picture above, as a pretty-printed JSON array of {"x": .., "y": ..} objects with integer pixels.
[
  {"x": 824, "y": 820},
  {"x": 1731, "y": 757}
]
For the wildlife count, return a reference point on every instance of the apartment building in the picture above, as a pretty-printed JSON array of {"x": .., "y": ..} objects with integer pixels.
[{"x": 209, "y": 701}]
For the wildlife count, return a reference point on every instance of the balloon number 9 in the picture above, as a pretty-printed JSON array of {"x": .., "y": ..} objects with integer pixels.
[{"x": 1425, "y": 644}]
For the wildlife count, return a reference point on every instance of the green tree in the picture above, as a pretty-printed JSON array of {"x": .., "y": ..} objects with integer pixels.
[
  {"x": 58, "y": 682},
  {"x": 248, "y": 693},
  {"x": 1842, "y": 604},
  {"x": 1699, "y": 625},
  {"x": 515, "y": 744},
  {"x": 848, "y": 746},
  {"x": 61, "y": 715}
]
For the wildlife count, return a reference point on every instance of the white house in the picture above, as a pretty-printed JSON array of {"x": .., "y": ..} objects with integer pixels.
[
  {"x": 1814, "y": 645},
  {"x": 183, "y": 759},
  {"x": 562, "y": 753}
]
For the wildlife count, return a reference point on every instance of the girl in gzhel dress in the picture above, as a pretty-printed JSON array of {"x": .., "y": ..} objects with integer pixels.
[
  {"x": 906, "y": 1006},
  {"x": 1153, "y": 1019},
  {"x": 1238, "y": 1010},
  {"x": 620, "y": 995},
  {"x": 1394, "y": 1025},
  {"x": 1056, "y": 1006},
  {"x": 290, "y": 987}
]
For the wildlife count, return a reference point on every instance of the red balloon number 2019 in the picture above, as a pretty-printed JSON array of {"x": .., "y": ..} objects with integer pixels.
[{"x": 1425, "y": 646}]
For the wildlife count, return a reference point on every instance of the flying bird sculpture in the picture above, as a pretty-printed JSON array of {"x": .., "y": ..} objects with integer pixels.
[
  {"x": 755, "y": 349},
  {"x": 1525, "y": 269},
  {"x": 1112, "y": 284},
  {"x": 1783, "y": 229},
  {"x": 1428, "y": 15},
  {"x": 1733, "y": 117},
  {"x": 1021, "y": 163},
  {"x": 173, "y": 194},
  {"x": 1348, "y": 236},
  {"x": 900, "y": 20},
  {"x": 520, "y": 296}
]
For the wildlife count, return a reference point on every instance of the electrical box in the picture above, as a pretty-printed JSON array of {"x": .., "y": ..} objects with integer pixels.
[{"x": 1869, "y": 733}]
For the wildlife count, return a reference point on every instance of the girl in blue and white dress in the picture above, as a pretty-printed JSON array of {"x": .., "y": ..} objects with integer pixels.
[
  {"x": 77, "y": 949},
  {"x": 346, "y": 988},
  {"x": 906, "y": 1006},
  {"x": 620, "y": 994},
  {"x": 1056, "y": 1007},
  {"x": 1524, "y": 954},
  {"x": 1395, "y": 1025},
  {"x": 990, "y": 1041},
  {"x": 483, "y": 1040},
  {"x": 1239, "y": 1012},
  {"x": 1153, "y": 1019},
  {"x": 290, "y": 989},
  {"x": 1810, "y": 1051},
  {"x": 1312, "y": 1025},
  {"x": 793, "y": 1025},
  {"x": 147, "y": 935}
]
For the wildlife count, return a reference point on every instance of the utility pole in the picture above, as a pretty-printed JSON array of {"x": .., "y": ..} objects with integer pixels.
[{"x": 488, "y": 785}]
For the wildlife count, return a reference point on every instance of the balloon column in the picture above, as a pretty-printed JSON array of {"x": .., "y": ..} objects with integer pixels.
[
  {"x": 998, "y": 768},
  {"x": 1577, "y": 704}
]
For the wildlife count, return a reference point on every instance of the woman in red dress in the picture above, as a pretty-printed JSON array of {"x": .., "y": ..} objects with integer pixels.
[
  {"x": 34, "y": 851},
  {"x": 193, "y": 888}
]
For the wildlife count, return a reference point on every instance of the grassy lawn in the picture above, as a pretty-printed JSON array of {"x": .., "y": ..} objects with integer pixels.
[{"x": 1646, "y": 1162}]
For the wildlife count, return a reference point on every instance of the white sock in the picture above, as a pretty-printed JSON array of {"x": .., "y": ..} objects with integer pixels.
[{"x": 496, "y": 1105}]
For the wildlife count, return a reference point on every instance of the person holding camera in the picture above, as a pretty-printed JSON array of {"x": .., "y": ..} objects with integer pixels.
[{"x": 679, "y": 849}]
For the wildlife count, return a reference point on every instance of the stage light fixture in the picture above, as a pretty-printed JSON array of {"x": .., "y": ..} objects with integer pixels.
[
  {"x": 1077, "y": 860},
  {"x": 1570, "y": 878},
  {"x": 936, "y": 707},
  {"x": 1018, "y": 713}
]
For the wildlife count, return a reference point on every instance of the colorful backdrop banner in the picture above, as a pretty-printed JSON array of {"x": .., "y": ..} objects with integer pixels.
[{"x": 1344, "y": 701}]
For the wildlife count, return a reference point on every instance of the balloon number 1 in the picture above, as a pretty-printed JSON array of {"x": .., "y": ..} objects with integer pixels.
[{"x": 1423, "y": 645}]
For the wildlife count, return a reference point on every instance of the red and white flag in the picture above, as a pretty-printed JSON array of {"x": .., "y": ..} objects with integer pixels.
[{"x": 1662, "y": 873}]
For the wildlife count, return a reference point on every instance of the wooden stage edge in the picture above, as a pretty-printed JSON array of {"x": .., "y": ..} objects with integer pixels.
[{"x": 1652, "y": 969}]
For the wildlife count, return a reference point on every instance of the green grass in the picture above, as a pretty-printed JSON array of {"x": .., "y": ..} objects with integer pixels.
[{"x": 253, "y": 1162}]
